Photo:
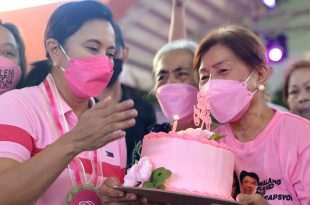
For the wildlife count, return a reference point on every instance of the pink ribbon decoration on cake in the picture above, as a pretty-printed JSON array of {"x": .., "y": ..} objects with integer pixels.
[
  {"x": 139, "y": 173},
  {"x": 202, "y": 112}
]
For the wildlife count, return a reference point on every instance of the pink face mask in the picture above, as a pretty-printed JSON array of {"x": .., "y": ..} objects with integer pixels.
[
  {"x": 88, "y": 77},
  {"x": 229, "y": 99},
  {"x": 178, "y": 99},
  {"x": 10, "y": 74}
]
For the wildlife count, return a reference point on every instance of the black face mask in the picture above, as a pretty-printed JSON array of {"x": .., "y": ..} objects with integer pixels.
[{"x": 118, "y": 67}]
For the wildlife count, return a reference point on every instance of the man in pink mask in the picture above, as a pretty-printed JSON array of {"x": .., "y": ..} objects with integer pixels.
[
  {"x": 275, "y": 145},
  {"x": 175, "y": 84}
]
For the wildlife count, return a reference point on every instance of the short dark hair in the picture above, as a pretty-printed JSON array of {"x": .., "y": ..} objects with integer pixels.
[
  {"x": 240, "y": 40},
  {"x": 119, "y": 40},
  {"x": 69, "y": 18},
  {"x": 301, "y": 63},
  {"x": 250, "y": 174},
  {"x": 21, "y": 49},
  {"x": 64, "y": 22},
  {"x": 37, "y": 74}
]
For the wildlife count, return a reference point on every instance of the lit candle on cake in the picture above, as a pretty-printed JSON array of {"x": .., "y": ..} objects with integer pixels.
[{"x": 175, "y": 123}]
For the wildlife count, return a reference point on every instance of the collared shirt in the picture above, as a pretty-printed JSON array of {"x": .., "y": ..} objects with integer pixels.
[{"x": 27, "y": 126}]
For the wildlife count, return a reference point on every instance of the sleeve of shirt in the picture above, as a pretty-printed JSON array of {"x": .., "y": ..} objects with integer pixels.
[
  {"x": 296, "y": 157},
  {"x": 16, "y": 141},
  {"x": 300, "y": 176}
]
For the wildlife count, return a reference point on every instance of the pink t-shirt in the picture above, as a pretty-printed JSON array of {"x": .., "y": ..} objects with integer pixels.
[
  {"x": 279, "y": 158},
  {"x": 27, "y": 126}
]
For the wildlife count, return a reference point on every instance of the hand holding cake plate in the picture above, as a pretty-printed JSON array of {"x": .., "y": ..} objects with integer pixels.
[{"x": 175, "y": 198}]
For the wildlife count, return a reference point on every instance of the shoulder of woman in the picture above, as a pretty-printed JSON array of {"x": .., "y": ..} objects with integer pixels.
[
  {"x": 294, "y": 130},
  {"x": 18, "y": 104},
  {"x": 18, "y": 96},
  {"x": 294, "y": 122}
]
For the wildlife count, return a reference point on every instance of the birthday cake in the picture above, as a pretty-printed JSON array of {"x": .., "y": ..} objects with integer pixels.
[{"x": 187, "y": 161}]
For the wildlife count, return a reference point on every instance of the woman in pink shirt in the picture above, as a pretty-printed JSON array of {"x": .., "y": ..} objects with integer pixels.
[
  {"x": 56, "y": 145},
  {"x": 274, "y": 145}
]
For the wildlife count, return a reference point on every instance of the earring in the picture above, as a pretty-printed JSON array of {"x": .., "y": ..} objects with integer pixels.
[{"x": 261, "y": 88}]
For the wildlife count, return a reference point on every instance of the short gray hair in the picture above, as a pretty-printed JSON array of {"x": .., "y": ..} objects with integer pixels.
[{"x": 172, "y": 46}]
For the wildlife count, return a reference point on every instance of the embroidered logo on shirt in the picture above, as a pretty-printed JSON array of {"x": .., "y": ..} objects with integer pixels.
[{"x": 109, "y": 154}]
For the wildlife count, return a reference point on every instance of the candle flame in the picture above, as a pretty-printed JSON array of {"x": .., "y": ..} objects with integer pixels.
[{"x": 176, "y": 117}]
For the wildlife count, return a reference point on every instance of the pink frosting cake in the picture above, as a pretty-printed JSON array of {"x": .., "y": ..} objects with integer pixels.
[{"x": 198, "y": 165}]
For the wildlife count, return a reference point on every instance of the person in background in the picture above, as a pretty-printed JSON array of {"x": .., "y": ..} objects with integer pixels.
[
  {"x": 176, "y": 86},
  {"x": 180, "y": 56},
  {"x": 120, "y": 92},
  {"x": 296, "y": 88},
  {"x": 173, "y": 64},
  {"x": 54, "y": 141},
  {"x": 12, "y": 58},
  {"x": 232, "y": 67}
]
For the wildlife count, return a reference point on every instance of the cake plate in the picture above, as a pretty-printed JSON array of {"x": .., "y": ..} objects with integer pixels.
[{"x": 175, "y": 198}]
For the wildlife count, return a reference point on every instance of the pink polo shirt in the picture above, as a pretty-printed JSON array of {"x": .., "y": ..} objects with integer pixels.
[
  {"x": 279, "y": 156},
  {"x": 27, "y": 127}
]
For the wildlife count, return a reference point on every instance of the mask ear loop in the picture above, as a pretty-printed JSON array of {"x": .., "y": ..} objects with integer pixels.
[
  {"x": 258, "y": 88},
  {"x": 246, "y": 81},
  {"x": 63, "y": 50}
]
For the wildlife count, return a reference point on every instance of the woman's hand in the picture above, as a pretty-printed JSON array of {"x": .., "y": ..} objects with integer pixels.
[
  {"x": 102, "y": 124},
  {"x": 253, "y": 199},
  {"x": 111, "y": 196}
]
